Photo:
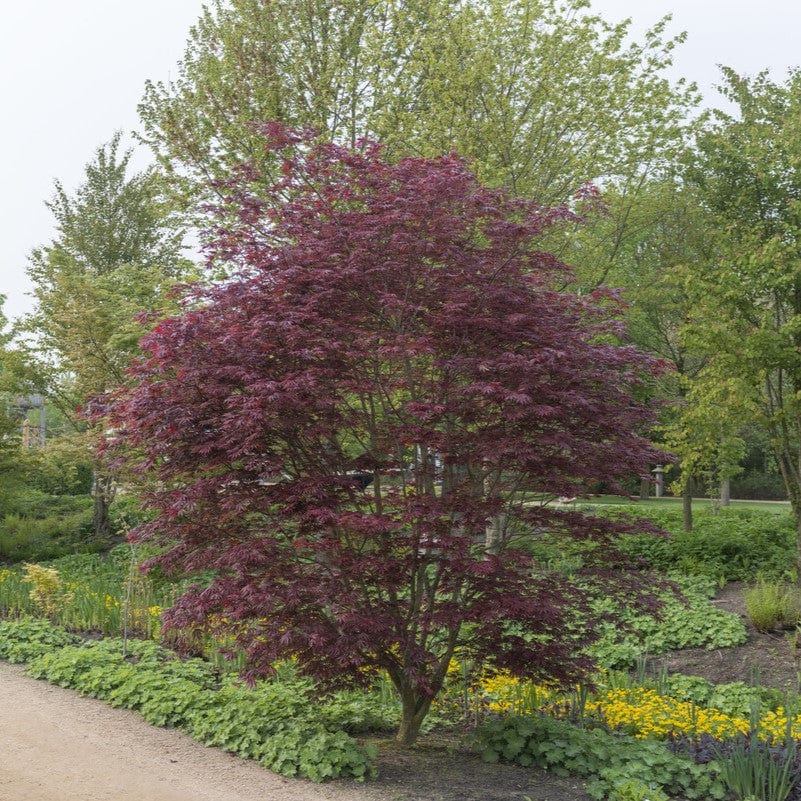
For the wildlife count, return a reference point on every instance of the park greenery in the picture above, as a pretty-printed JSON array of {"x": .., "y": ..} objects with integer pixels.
[{"x": 459, "y": 261}]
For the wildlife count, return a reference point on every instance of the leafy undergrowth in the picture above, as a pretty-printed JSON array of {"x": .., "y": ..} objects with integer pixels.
[
  {"x": 282, "y": 723},
  {"x": 689, "y": 621},
  {"x": 725, "y": 544},
  {"x": 605, "y": 759}
]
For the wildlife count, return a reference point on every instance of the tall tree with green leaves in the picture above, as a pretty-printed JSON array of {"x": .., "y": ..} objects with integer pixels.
[
  {"x": 116, "y": 251},
  {"x": 542, "y": 96},
  {"x": 9, "y": 422},
  {"x": 670, "y": 238},
  {"x": 747, "y": 301}
]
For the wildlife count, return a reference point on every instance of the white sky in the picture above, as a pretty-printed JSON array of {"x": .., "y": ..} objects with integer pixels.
[{"x": 72, "y": 72}]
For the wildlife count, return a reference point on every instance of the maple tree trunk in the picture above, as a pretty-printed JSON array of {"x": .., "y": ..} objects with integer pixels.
[
  {"x": 494, "y": 533},
  {"x": 414, "y": 708}
]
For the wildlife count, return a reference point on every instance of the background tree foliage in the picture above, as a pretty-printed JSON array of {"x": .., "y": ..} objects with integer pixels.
[
  {"x": 542, "y": 96},
  {"x": 746, "y": 315},
  {"x": 116, "y": 253},
  {"x": 10, "y": 472}
]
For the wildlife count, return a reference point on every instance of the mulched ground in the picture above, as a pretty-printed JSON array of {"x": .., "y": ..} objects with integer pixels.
[
  {"x": 766, "y": 657},
  {"x": 438, "y": 770}
]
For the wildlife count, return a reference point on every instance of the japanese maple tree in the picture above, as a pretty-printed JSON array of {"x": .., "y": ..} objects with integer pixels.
[{"x": 392, "y": 321}]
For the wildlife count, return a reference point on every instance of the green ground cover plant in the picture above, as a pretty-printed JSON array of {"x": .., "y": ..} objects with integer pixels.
[
  {"x": 727, "y": 544},
  {"x": 688, "y": 621},
  {"x": 25, "y": 639},
  {"x": 605, "y": 759},
  {"x": 288, "y": 728}
]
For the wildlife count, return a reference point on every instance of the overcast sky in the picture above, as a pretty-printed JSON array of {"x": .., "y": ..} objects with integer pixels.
[{"x": 72, "y": 72}]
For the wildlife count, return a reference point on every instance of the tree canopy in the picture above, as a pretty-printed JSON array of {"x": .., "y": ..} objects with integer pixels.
[
  {"x": 746, "y": 316},
  {"x": 543, "y": 96},
  {"x": 395, "y": 325},
  {"x": 116, "y": 252}
]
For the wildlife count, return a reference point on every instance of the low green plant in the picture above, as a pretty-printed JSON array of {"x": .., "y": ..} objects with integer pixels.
[
  {"x": 317, "y": 754},
  {"x": 276, "y": 723},
  {"x": 725, "y": 544},
  {"x": 27, "y": 638},
  {"x": 15, "y": 596},
  {"x": 359, "y": 711},
  {"x": 689, "y": 688},
  {"x": 760, "y": 771},
  {"x": 635, "y": 790},
  {"x": 688, "y": 622},
  {"x": 603, "y": 758},
  {"x": 772, "y": 603}
]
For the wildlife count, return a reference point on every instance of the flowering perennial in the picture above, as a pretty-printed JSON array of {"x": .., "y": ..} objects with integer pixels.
[{"x": 641, "y": 712}]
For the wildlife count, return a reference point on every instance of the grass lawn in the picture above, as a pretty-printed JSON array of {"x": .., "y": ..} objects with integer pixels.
[{"x": 778, "y": 507}]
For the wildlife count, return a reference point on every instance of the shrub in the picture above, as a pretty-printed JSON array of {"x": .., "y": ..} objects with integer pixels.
[
  {"x": 730, "y": 544},
  {"x": 771, "y": 604},
  {"x": 47, "y": 591},
  {"x": 36, "y": 539}
]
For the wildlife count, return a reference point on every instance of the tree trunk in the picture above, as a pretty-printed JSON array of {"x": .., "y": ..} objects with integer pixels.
[
  {"x": 687, "y": 505},
  {"x": 798, "y": 549},
  {"x": 725, "y": 492},
  {"x": 103, "y": 494},
  {"x": 645, "y": 488},
  {"x": 494, "y": 534},
  {"x": 414, "y": 708}
]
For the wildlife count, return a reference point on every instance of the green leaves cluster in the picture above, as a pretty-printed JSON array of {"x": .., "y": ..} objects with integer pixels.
[
  {"x": 605, "y": 759},
  {"x": 27, "y": 638},
  {"x": 725, "y": 544},
  {"x": 688, "y": 622},
  {"x": 737, "y": 698},
  {"x": 494, "y": 81},
  {"x": 746, "y": 301}
]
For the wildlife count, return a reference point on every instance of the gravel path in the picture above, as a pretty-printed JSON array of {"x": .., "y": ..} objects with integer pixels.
[{"x": 58, "y": 746}]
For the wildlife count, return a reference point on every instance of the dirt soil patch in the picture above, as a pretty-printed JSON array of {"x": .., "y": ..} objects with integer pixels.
[{"x": 766, "y": 658}]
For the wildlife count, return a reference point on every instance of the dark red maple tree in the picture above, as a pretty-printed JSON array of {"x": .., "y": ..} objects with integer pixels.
[{"x": 392, "y": 321}]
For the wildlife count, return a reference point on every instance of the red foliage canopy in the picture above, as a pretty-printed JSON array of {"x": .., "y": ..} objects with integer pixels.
[{"x": 394, "y": 320}]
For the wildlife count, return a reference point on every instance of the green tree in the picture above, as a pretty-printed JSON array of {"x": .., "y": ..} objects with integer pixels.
[
  {"x": 117, "y": 250},
  {"x": 10, "y": 473},
  {"x": 747, "y": 300},
  {"x": 669, "y": 239},
  {"x": 542, "y": 96}
]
